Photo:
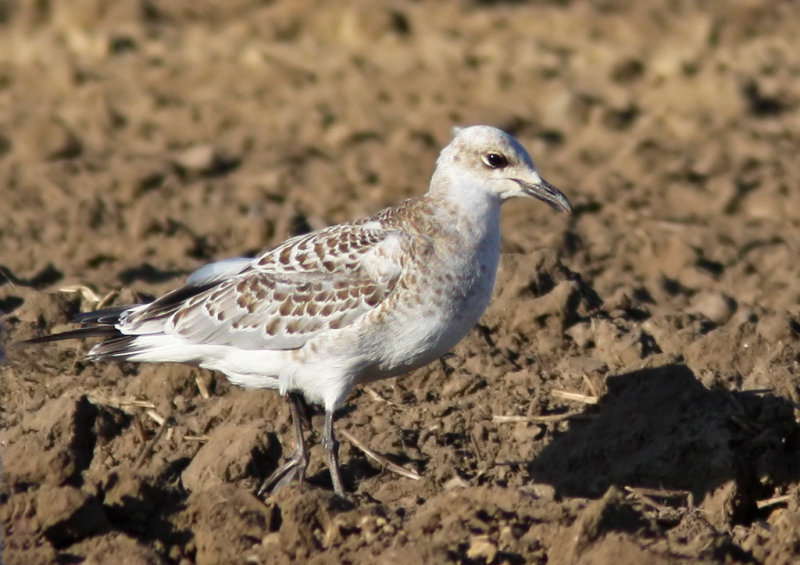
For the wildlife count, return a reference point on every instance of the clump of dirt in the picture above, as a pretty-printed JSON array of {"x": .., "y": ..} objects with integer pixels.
[{"x": 630, "y": 395}]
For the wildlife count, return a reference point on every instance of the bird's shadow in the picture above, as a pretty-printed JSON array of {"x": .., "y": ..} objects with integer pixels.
[{"x": 661, "y": 428}]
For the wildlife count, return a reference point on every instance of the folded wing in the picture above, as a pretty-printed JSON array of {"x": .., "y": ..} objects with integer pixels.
[{"x": 310, "y": 284}]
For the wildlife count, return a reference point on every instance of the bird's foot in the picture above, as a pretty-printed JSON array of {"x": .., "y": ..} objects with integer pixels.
[{"x": 293, "y": 470}]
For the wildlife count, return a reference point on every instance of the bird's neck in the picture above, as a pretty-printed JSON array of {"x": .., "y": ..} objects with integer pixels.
[{"x": 466, "y": 213}]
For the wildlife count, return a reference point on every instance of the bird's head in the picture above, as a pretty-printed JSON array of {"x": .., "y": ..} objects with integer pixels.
[{"x": 492, "y": 159}]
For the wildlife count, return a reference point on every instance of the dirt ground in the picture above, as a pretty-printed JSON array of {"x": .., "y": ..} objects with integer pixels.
[{"x": 632, "y": 394}]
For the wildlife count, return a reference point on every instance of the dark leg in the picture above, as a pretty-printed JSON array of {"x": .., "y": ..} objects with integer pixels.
[
  {"x": 331, "y": 446},
  {"x": 295, "y": 467}
]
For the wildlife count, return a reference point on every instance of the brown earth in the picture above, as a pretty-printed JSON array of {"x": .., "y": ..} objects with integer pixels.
[{"x": 139, "y": 140}]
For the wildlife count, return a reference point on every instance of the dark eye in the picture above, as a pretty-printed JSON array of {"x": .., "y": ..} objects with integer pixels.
[{"x": 494, "y": 160}]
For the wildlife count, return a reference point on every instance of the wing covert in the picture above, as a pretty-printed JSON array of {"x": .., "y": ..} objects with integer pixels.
[{"x": 310, "y": 284}]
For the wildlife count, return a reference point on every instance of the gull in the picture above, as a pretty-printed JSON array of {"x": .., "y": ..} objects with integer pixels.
[{"x": 343, "y": 306}]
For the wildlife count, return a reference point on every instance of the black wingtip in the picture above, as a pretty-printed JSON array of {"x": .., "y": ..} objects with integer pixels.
[
  {"x": 105, "y": 317},
  {"x": 80, "y": 333}
]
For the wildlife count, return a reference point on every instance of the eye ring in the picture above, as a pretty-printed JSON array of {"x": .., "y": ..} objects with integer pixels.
[{"x": 494, "y": 160}]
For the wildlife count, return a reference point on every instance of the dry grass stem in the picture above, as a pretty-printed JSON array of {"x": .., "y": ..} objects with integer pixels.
[
  {"x": 380, "y": 459},
  {"x": 106, "y": 300},
  {"x": 646, "y": 495},
  {"x": 576, "y": 396},
  {"x": 784, "y": 499},
  {"x": 201, "y": 386},
  {"x": 86, "y": 293},
  {"x": 539, "y": 419},
  {"x": 590, "y": 385},
  {"x": 124, "y": 404},
  {"x": 147, "y": 448},
  {"x": 155, "y": 416},
  {"x": 375, "y": 395}
]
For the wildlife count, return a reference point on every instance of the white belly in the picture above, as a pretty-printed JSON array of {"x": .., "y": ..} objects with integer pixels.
[{"x": 424, "y": 328}]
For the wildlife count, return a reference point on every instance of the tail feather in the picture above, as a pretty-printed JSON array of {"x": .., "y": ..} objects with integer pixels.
[{"x": 120, "y": 346}]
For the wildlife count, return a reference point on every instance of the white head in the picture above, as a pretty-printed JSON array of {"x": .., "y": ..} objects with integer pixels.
[{"x": 491, "y": 159}]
